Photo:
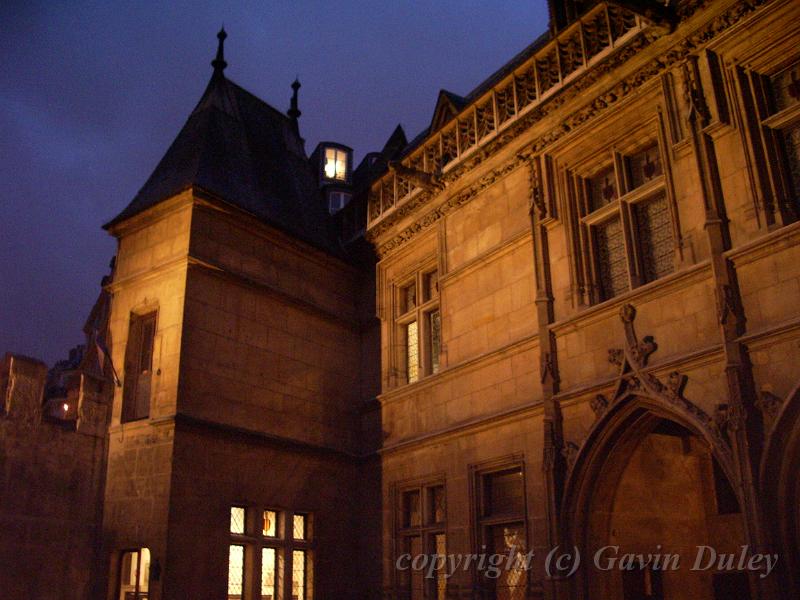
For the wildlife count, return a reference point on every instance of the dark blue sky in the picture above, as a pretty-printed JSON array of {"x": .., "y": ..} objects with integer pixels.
[{"x": 92, "y": 94}]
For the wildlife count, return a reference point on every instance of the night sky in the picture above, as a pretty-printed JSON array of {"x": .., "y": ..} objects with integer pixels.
[{"x": 92, "y": 94}]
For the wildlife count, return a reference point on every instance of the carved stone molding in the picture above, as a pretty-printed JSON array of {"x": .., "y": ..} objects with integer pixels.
[
  {"x": 770, "y": 405},
  {"x": 599, "y": 405},
  {"x": 633, "y": 378},
  {"x": 570, "y": 453},
  {"x": 673, "y": 57}
]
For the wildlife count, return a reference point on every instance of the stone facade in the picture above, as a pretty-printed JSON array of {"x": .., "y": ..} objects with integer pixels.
[
  {"x": 548, "y": 368},
  {"x": 569, "y": 322},
  {"x": 51, "y": 496}
]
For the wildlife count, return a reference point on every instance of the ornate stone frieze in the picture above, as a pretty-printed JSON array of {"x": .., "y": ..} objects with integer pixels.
[{"x": 609, "y": 98}]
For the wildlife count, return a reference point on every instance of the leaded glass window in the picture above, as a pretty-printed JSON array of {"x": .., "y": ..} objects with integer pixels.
[
  {"x": 436, "y": 510},
  {"x": 299, "y": 527},
  {"x": 503, "y": 493},
  {"x": 268, "y": 572},
  {"x": 602, "y": 188},
  {"x": 235, "y": 572},
  {"x": 508, "y": 540},
  {"x": 611, "y": 258},
  {"x": 435, "y": 328},
  {"x": 791, "y": 142},
  {"x": 654, "y": 235},
  {"x": 412, "y": 515},
  {"x": 440, "y": 543},
  {"x": 501, "y": 530},
  {"x": 412, "y": 352},
  {"x": 237, "y": 519},
  {"x": 261, "y": 541},
  {"x": 270, "y": 525},
  {"x": 299, "y": 575},
  {"x": 421, "y": 531},
  {"x": 644, "y": 166},
  {"x": 419, "y": 327}
]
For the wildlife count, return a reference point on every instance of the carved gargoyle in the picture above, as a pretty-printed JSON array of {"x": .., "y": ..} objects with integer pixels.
[{"x": 430, "y": 182}]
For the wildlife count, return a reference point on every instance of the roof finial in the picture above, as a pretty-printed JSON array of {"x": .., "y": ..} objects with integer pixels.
[
  {"x": 294, "y": 112},
  {"x": 219, "y": 63}
]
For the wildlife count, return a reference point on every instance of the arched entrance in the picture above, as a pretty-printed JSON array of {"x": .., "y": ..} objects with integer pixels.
[
  {"x": 781, "y": 486},
  {"x": 649, "y": 501}
]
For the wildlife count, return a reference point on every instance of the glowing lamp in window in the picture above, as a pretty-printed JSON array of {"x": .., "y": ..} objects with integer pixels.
[{"x": 335, "y": 164}]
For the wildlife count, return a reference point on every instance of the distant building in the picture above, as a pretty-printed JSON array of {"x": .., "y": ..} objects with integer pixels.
[{"x": 562, "y": 318}]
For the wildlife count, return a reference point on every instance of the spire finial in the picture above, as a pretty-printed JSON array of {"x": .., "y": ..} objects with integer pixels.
[
  {"x": 219, "y": 63},
  {"x": 294, "y": 112}
]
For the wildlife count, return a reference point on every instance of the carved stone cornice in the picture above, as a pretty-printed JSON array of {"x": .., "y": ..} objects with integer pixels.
[{"x": 672, "y": 57}]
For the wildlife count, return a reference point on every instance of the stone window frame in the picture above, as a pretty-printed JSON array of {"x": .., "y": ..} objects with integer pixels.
[
  {"x": 480, "y": 522},
  {"x": 427, "y": 530},
  {"x": 254, "y": 540},
  {"x": 583, "y": 221},
  {"x": 133, "y": 351},
  {"x": 764, "y": 124},
  {"x": 425, "y": 306}
]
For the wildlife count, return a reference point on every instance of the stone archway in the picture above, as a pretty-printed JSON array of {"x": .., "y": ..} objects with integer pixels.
[
  {"x": 654, "y": 488},
  {"x": 781, "y": 484}
]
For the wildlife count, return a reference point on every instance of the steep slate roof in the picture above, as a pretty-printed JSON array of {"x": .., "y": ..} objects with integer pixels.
[{"x": 240, "y": 149}]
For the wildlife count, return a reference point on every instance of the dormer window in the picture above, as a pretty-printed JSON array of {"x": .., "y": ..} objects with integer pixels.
[
  {"x": 335, "y": 166},
  {"x": 337, "y": 201}
]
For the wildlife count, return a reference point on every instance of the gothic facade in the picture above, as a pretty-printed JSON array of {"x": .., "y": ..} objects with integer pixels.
[{"x": 559, "y": 326}]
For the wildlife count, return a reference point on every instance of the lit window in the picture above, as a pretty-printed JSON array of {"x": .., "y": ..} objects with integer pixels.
[
  {"x": 423, "y": 533},
  {"x": 412, "y": 352},
  {"x": 258, "y": 551},
  {"x": 237, "y": 519},
  {"x": 268, "y": 566},
  {"x": 299, "y": 527},
  {"x": 419, "y": 325},
  {"x": 299, "y": 575},
  {"x": 134, "y": 575},
  {"x": 270, "y": 525},
  {"x": 335, "y": 164},
  {"x": 501, "y": 529},
  {"x": 235, "y": 572}
]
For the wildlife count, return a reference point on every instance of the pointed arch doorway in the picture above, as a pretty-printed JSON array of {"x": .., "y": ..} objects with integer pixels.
[{"x": 650, "y": 503}]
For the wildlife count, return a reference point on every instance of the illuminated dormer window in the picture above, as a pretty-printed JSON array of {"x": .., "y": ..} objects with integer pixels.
[{"x": 335, "y": 166}]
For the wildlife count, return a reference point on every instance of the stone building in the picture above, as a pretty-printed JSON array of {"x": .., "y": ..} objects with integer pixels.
[{"x": 561, "y": 320}]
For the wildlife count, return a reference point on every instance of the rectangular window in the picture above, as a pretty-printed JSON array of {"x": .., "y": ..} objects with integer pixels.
[
  {"x": 134, "y": 578},
  {"x": 602, "y": 188},
  {"x": 644, "y": 166},
  {"x": 418, "y": 326},
  {"x": 421, "y": 531},
  {"x": 259, "y": 551},
  {"x": 412, "y": 352},
  {"x": 435, "y": 337},
  {"x": 791, "y": 151},
  {"x": 623, "y": 225},
  {"x": 235, "y": 572},
  {"x": 501, "y": 529},
  {"x": 299, "y": 575},
  {"x": 654, "y": 237},
  {"x": 335, "y": 164},
  {"x": 611, "y": 258},
  {"x": 268, "y": 571},
  {"x": 138, "y": 367}
]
